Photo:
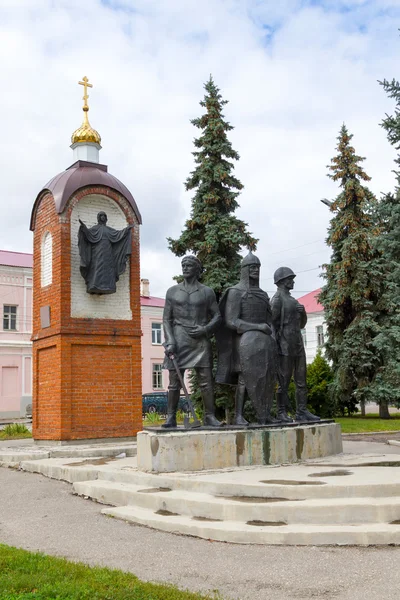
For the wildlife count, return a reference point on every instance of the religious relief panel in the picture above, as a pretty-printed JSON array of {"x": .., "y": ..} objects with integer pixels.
[
  {"x": 104, "y": 252},
  {"x": 101, "y": 241}
]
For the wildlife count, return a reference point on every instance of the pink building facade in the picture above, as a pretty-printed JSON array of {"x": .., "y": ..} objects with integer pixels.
[
  {"x": 314, "y": 333},
  {"x": 154, "y": 378},
  {"x": 15, "y": 333}
]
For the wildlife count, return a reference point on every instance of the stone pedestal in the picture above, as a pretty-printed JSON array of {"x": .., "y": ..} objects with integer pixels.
[{"x": 198, "y": 450}]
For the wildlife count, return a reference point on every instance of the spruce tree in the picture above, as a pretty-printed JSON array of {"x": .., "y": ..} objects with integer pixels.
[
  {"x": 213, "y": 233},
  {"x": 353, "y": 278},
  {"x": 319, "y": 379},
  {"x": 387, "y": 383}
]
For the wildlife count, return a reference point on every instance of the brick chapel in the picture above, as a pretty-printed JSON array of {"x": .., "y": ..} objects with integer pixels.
[{"x": 86, "y": 346}]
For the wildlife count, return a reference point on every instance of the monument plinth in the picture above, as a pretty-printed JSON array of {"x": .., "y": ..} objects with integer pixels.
[
  {"x": 86, "y": 346},
  {"x": 201, "y": 449}
]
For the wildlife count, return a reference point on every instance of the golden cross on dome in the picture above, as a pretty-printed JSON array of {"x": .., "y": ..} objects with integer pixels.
[{"x": 85, "y": 84}]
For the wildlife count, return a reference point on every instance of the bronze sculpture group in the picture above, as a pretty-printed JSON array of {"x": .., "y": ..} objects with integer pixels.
[{"x": 259, "y": 342}]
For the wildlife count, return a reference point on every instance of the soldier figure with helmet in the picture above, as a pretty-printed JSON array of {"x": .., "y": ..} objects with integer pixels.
[
  {"x": 288, "y": 319},
  {"x": 247, "y": 355}
]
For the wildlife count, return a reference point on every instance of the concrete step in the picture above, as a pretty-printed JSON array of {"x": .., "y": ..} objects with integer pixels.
[
  {"x": 333, "y": 511},
  {"x": 13, "y": 456},
  {"x": 293, "y": 482},
  {"x": 77, "y": 468},
  {"x": 371, "y": 482},
  {"x": 256, "y": 533}
]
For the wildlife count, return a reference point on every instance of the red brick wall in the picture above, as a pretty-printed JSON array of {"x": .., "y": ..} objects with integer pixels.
[{"x": 86, "y": 372}]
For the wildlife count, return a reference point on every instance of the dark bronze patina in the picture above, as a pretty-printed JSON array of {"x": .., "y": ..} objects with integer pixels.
[
  {"x": 103, "y": 253},
  {"x": 191, "y": 315},
  {"x": 247, "y": 354},
  {"x": 288, "y": 319}
]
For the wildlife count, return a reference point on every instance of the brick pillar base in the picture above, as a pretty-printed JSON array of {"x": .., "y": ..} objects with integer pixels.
[{"x": 85, "y": 388}]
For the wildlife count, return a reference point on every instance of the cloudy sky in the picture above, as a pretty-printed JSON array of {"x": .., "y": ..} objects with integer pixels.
[{"x": 292, "y": 70}]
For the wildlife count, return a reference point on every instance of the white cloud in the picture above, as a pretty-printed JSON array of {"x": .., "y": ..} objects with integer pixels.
[{"x": 292, "y": 70}]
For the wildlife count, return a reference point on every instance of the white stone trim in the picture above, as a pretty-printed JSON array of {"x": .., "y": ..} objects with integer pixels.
[
  {"x": 15, "y": 343},
  {"x": 27, "y": 286},
  {"x": 23, "y": 391}
]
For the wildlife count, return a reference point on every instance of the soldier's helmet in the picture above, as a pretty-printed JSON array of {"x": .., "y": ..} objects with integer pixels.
[
  {"x": 282, "y": 273},
  {"x": 250, "y": 259}
]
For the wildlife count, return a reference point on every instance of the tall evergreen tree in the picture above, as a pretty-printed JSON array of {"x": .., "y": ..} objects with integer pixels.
[
  {"x": 387, "y": 384},
  {"x": 319, "y": 379},
  {"x": 213, "y": 232},
  {"x": 351, "y": 293}
]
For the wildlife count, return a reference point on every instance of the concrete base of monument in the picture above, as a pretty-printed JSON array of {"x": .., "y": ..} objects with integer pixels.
[
  {"x": 164, "y": 451},
  {"x": 347, "y": 499}
]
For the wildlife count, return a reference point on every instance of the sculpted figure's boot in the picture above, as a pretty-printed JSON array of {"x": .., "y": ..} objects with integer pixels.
[
  {"x": 282, "y": 415},
  {"x": 302, "y": 414},
  {"x": 173, "y": 399},
  {"x": 239, "y": 403},
  {"x": 208, "y": 402},
  {"x": 270, "y": 420}
]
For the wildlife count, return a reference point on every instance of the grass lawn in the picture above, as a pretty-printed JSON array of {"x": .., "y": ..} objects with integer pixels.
[
  {"x": 155, "y": 419},
  {"x": 15, "y": 431},
  {"x": 358, "y": 424},
  {"x": 31, "y": 576}
]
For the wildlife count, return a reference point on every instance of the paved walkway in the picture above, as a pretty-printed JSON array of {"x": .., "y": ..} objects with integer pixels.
[{"x": 37, "y": 513}]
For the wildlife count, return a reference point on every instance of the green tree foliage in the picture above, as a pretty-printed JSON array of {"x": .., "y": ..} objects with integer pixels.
[
  {"x": 319, "y": 379},
  {"x": 319, "y": 396},
  {"x": 351, "y": 293},
  {"x": 387, "y": 383},
  {"x": 213, "y": 233}
]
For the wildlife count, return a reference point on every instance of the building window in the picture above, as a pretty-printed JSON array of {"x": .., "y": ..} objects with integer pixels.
[
  {"x": 320, "y": 335},
  {"x": 157, "y": 377},
  {"x": 47, "y": 260},
  {"x": 9, "y": 317},
  {"x": 156, "y": 333},
  {"x": 304, "y": 334}
]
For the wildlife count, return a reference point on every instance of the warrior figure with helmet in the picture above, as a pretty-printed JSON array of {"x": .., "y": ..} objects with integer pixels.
[
  {"x": 288, "y": 319},
  {"x": 247, "y": 354},
  {"x": 191, "y": 315}
]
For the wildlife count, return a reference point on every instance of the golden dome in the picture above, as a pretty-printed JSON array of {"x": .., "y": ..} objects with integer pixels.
[{"x": 85, "y": 133}]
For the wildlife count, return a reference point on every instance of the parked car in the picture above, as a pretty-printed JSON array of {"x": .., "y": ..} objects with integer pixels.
[{"x": 158, "y": 401}]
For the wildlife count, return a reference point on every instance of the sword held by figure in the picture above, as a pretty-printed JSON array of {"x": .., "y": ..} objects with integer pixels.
[{"x": 187, "y": 424}]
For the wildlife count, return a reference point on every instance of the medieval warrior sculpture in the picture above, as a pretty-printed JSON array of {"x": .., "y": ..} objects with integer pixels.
[
  {"x": 191, "y": 316},
  {"x": 247, "y": 354},
  {"x": 103, "y": 252},
  {"x": 288, "y": 319}
]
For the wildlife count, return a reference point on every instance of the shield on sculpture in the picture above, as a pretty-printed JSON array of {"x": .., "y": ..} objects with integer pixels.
[{"x": 257, "y": 353}]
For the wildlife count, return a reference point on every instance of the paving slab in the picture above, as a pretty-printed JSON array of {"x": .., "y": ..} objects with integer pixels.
[{"x": 40, "y": 514}]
